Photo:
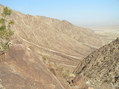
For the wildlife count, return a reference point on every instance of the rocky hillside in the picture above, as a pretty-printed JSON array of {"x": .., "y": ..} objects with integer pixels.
[
  {"x": 44, "y": 52},
  {"x": 56, "y": 40},
  {"x": 20, "y": 68},
  {"x": 54, "y": 34},
  {"x": 100, "y": 69}
]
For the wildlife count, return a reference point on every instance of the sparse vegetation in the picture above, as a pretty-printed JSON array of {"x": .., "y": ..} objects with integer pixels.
[
  {"x": 44, "y": 58},
  {"x": 5, "y": 29},
  {"x": 6, "y": 12},
  {"x": 64, "y": 72}
]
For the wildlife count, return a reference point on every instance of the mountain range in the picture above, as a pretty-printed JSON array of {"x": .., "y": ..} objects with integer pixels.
[{"x": 44, "y": 52}]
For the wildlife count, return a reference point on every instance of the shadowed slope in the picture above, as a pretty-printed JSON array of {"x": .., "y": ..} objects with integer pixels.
[{"x": 101, "y": 68}]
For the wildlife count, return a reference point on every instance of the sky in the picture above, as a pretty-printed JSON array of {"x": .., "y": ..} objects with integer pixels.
[{"x": 84, "y": 13}]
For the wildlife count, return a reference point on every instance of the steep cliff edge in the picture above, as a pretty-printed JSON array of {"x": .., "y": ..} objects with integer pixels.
[{"x": 100, "y": 69}]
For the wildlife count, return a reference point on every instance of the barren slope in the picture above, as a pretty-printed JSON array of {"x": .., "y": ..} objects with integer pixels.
[
  {"x": 20, "y": 68},
  {"x": 57, "y": 44},
  {"x": 59, "y": 36}
]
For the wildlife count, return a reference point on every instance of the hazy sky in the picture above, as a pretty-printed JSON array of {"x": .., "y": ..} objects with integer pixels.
[{"x": 79, "y": 12}]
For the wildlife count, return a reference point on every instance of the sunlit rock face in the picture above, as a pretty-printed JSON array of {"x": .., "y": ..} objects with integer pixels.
[{"x": 100, "y": 69}]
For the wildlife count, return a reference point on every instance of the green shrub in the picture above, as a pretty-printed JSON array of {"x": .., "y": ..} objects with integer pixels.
[
  {"x": 5, "y": 47},
  {"x": 6, "y": 12},
  {"x": 2, "y": 20},
  {"x": 5, "y": 29},
  {"x": 65, "y": 74},
  {"x": 44, "y": 58}
]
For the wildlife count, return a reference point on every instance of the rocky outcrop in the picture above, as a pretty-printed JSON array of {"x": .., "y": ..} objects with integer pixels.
[{"x": 100, "y": 69}]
